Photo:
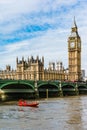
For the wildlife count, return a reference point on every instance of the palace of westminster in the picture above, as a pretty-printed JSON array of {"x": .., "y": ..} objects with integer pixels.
[{"x": 33, "y": 69}]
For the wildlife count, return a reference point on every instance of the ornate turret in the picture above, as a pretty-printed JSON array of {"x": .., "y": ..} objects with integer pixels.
[
  {"x": 42, "y": 59},
  {"x": 22, "y": 59},
  {"x": 37, "y": 59},
  {"x": 17, "y": 60}
]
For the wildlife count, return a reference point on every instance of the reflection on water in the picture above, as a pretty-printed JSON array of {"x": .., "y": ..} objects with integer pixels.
[{"x": 68, "y": 113}]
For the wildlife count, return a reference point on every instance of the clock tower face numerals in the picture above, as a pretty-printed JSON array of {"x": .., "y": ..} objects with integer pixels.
[{"x": 72, "y": 44}]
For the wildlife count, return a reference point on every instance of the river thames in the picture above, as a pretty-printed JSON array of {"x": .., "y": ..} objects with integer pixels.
[{"x": 67, "y": 113}]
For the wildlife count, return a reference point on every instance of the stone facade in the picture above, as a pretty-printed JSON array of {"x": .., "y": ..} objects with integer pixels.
[{"x": 32, "y": 69}]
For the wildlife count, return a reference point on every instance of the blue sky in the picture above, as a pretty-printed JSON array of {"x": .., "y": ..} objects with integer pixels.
[{"x": 40, "y": 27}]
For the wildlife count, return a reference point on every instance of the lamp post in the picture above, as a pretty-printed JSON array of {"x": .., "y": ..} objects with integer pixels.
[
  {"x": 35, "y": 86},
  {"x": 60, "y": 89},
  {"x": 76, "y": 89}
]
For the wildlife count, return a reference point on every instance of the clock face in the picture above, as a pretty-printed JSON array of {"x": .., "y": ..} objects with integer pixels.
[
  {"x": 72, "y": 44},
  {"x": 79, "y": 44}
]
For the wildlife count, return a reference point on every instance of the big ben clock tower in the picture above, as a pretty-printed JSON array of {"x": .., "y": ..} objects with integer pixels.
[{"x": 74, "y": 54}]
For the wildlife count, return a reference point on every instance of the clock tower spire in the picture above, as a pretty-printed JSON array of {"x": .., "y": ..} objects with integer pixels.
[{"x": 74, "y": 54}]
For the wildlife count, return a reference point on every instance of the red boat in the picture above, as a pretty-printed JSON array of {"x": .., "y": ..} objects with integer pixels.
[{"x": 28, "y": 104}]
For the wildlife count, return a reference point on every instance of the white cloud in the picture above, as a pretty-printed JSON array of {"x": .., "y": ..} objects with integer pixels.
[
  {"x": 47, "y": 45},
  {"x": 51, "y": 43}
]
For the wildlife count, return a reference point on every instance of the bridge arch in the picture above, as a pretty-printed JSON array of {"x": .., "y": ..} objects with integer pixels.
[
  {"x": 68, "y": 90},
  {"x": 17, "y": 90},
  {"x": 17, "y": 85},
  {"x": 51, "y": 88},
  {"x": 82, "y": 89}
]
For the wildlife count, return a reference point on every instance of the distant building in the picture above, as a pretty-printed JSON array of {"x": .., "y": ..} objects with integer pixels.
[{"x": 83, "y": 74}]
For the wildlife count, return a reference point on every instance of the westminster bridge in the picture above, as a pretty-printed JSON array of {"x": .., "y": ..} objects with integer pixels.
[{"x": 39, "y": 89}]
